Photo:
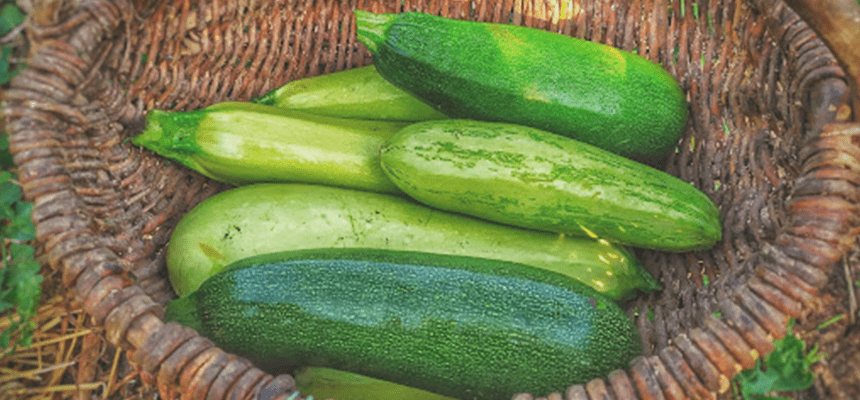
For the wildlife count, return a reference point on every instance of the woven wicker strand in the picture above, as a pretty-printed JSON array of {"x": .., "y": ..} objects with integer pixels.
[{"x": 770, "y": 140}]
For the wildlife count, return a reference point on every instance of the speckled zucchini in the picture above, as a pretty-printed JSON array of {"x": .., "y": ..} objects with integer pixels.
[
  {"x": 469, "y": 328},
  {"x": 534, "y": 179}
]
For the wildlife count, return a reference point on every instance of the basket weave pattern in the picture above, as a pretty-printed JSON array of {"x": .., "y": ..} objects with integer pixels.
[{"x": 767, "y": 141}]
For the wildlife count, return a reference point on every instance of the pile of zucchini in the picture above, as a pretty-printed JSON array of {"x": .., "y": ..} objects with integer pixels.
[{"x": 453, "y": 218}]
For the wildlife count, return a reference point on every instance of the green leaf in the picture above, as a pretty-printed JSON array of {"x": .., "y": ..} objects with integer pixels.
[
  {"x": 784, "y": 369},
  {"x": 5, "y": 338},
  {"x": 5, "y": 74},
  {"x": 10, "y": 17},
  {"x": 7, "y": 291},
  {"x": 29, "y": 290},
  {"x": 21, "y": 289},
  {"x": 5, "y": 52},
  {"x": 10, "y": 193},
  {"x": 756, "y": 382},
  {"x": 15, "y": 214},
  {"x": 20, "y": 281},
  {"x": 20, "y": 253},
  {"x": 5, "y": 157},
  {"x": 792, "y": 364},
  {"x": 21, "y": 225}
]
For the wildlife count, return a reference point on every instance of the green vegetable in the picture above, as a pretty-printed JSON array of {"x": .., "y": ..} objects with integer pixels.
[
  {"x": 464, "y": 327},
  {"x": 327, "y": 383},
  {"x": 596, "y": 93},
  {"x": 534, "y": 179},
  {"x": 241, "y": 143},
  {"x": 267, "y": 218},
  {"x": 354, "y": 93}
]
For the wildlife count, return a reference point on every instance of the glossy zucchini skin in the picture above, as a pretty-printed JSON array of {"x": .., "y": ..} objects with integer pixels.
[
  {"x": 329, "y": 383},
  {"x": 266, "y": 218},
  {"x": 240, "y": 143},
  {"x": 463, "y": 327},
  {"x": 534, "y": 179},
  {"x": 592, "y": 92},
  {"x": 359, "y": 93}
]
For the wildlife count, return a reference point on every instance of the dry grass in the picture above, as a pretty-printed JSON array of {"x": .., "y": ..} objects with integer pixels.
[{"x": 69, "y": 357}]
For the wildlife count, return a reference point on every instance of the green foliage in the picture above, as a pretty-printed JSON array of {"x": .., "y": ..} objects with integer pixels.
[
  {"x": 10, "y": 17},
  {"x": 20, "y": 281},
  {"x": 785, "y": 369},
  {"x": 14, "y": 213},
  {"x": 5, "y": 156}
]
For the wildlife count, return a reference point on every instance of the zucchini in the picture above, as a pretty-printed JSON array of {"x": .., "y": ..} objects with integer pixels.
[
  {"x": 267, "y": 218},
  {"x": 240, "y": 143},
  {"x": 359, "y": 93},
  {"x": 329, "y": 383},
  {"x": 613, "y": 99},
  {"x": 463, "y": 327},
  {"x": 534, "y": 179}
]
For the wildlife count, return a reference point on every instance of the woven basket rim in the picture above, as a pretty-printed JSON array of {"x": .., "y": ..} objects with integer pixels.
[{"x": 688, "y": 367}]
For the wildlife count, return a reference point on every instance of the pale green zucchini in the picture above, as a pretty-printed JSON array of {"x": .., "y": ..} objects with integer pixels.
[
  {"x": 329, "y": 383},
  {"x": 359, "y": 93},
  {"x": 268, "y": 218},
  {"x": 240, "y": 143}
]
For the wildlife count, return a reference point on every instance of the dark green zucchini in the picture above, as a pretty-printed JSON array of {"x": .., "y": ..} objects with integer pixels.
[
  {"x": 463, "y": 327},
  {"x": 613, "y": 99}
]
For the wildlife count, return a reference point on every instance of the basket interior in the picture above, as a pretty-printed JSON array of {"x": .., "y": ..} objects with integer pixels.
[{"x": 740, "y": 147}]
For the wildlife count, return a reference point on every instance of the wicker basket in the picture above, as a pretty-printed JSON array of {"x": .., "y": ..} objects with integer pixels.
[{"x": 770, "y": 140}]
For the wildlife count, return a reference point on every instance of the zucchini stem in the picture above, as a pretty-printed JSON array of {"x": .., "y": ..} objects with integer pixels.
[{"x": 171, "y": 134}]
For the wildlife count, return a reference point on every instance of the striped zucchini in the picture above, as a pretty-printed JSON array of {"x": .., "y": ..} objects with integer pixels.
[
  {"x": 267, "y": 218},
  {"x": 534, "y": 179},
  {"x": 240, "y": 143}
]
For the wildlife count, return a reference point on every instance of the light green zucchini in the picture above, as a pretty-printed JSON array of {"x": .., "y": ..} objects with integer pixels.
[
  {"x": 329, "y": 383},
  {"x": 267, "y": 218},
  {"x": 359, "y": 93},
  {"x": 240, "y": 143},
  {"x": 534, "y": 179}
]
